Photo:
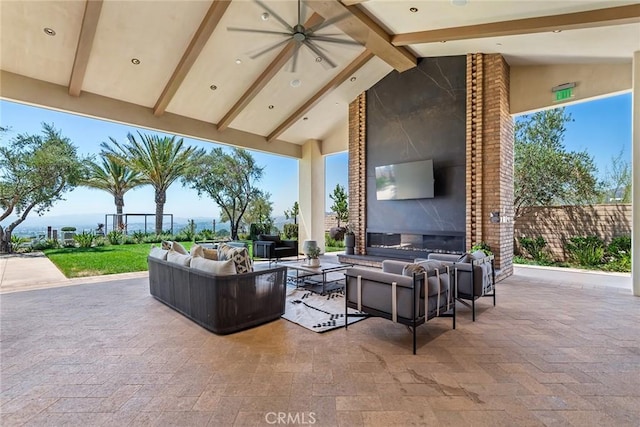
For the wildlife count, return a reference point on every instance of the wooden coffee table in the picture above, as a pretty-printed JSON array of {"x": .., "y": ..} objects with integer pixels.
[{"x": 315, "y": 278}]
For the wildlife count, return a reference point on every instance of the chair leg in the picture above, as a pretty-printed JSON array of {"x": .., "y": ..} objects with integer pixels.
[
  {"x": 454, "y": 314},
  {"x": 414, "y": 338},
  {"x": 473, "y": 309}
]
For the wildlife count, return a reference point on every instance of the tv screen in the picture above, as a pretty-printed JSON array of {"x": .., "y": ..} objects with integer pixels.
[{"x": 413, "y": 180}]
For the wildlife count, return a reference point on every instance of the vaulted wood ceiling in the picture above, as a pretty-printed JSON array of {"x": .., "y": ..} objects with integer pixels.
[{"x": 179, "y": 58}]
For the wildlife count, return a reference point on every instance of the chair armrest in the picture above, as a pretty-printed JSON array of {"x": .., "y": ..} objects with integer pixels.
[
  {"x": 444, "y": 257},
  {"x": 290, "y": 243},
  {"x": 393, "y": 267}
]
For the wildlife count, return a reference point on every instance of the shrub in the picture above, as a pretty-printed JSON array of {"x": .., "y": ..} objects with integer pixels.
[
  {"x": 330, "y": 242},
  {"x": 41, "y": 245},
  {"x": 587, "y": 251},
  {"x": 84, "y": 239},
  {"x": 68, "y": 229},
  {"x": 139, "y": 236},
  {"x": 116, "y": 237},
  {"x": 99, "y": 241},
  {"x": 290, "y": 231},
  {"x": 205, "y": 234},
  {"x": 482, "y": 246},
  {"x": 535, "y": 248},
  {"x": 256, "y": 229},
  {"x": 16, "y": 241},
  {"x": 618, "y": 254}
]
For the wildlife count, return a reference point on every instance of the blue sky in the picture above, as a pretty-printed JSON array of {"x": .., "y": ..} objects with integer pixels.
[{"x": 602, "y": 127}]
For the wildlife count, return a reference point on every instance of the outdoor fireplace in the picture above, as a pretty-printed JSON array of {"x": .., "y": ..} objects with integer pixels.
[{"x": 412, "y": 245}]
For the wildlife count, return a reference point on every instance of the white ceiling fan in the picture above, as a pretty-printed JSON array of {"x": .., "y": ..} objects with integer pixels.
[{"x": 301, "y": 35}]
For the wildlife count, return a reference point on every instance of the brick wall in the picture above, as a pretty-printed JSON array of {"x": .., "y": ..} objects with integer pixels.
[
  {"x": 357, "y": 171},
  {"x": 556, "y": 224},
  {"x": 489, "y": 164}
]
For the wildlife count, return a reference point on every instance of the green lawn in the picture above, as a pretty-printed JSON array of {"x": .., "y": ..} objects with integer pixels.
[{"x": 82, "y": 262}]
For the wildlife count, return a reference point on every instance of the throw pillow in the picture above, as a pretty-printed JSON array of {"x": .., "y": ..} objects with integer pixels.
[
  {"x": 159, "y": 253},
  {"x": 179, "y": 248},
  {"x": 411, "y": 269},
  {"x": 210, "y": 253},
  {"x": 166, "y": 244},
  {"x": 213, "y": 267},
  {"x": 196, "y": 250},
  {"x": 178, "y": 258},
  {"x": 240, "y": 257}
]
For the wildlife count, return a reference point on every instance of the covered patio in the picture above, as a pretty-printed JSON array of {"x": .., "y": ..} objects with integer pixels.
[{"x": 552, "y": 352}]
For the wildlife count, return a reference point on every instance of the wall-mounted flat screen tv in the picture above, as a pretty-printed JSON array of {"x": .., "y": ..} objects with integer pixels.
[{"x": 413, "y": 180}]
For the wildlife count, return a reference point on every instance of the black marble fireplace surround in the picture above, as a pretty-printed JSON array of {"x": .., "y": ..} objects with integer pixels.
[{"x": 418, "y": 115}]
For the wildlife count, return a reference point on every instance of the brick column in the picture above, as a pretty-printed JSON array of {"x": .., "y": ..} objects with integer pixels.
[
  {"x": 490, "y": 158},
  {"x": 358, "y": 171}
]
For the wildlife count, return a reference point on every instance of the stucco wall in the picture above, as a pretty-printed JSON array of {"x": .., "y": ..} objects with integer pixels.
[{"x": 559, "y": 223}]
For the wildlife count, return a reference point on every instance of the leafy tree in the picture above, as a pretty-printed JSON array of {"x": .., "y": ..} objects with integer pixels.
[
  {"x": 544, "y": 172},
  {"x": 617, "y": 183},
  {"x": 115, "y": 178},
  {"x": 293, "y": 213},
  {"x": 259, "y": 210},
  {"x": 340, "y": 204},
  {"x": 35, "y": 172},
  {"x": 229, "y": 179},
  {"x": 159, "y": 160}
]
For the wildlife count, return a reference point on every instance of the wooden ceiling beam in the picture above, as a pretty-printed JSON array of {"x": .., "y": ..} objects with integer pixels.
[
  {"x": 200, "y": 38},
  {"x": 347, "y": 72},
  {"x": 357, "y": 25},
  {"x": 272, "y": 69},
  {"x": 85, "y": 43},
  {"x": 568, "y": 21}
]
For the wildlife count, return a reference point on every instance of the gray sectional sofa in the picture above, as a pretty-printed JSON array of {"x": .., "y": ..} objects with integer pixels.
[{"x": 222, "y": 304}]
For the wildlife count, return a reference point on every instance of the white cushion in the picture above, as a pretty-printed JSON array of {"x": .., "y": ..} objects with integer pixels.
[
  {"x": 213, "y": 267},
  {"x": 196, "y": 250},
  {"x": 178, "y": 258},
  {"x": 179, "y": 248},
  {"x": 159, "y": 253}
]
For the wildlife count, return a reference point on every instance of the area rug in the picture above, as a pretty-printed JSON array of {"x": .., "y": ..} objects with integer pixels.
[{"x": 316, "y": 312}]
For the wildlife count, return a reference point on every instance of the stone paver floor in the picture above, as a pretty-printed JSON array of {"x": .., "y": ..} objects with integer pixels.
[{"x": 109, "y": 354}]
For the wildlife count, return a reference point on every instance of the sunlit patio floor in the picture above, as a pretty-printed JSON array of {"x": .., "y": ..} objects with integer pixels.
[{"x": 108, "y": 353}]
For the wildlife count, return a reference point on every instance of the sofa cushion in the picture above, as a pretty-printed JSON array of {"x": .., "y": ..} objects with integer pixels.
[
  {"x": 214, "y": 267},
  {"x": 269, "y": 238},
  {"x": 464, "y": 258},
  {"x": 240, "y": 257},
  {"x": 159, "y": 253},
  {"x": 178, "y": 258},
  {"x": 210, "y": 253}
]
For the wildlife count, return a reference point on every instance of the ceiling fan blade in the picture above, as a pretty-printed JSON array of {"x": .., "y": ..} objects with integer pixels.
[
  {"x": 269, "y": 49},
  {"x": 333, "y": 40},
  {"x": 328, "y": 22},
  {"x": 315, "y": 49},
  {"x": 251, "y": 30},
  {"x": 294, "y": 63},
  {"x": 275, "y": 15}
]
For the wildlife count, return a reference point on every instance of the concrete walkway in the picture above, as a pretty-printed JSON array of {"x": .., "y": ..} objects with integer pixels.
[{"x": 22, "y": 272}]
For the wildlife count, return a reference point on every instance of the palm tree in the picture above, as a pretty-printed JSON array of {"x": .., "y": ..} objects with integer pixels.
[
  {"x": 115, "y": 178},
  {"x": 159, "y": 160}
]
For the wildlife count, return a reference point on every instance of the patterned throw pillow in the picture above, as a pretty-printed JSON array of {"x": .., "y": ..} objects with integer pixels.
[{"x": 240, "y": 257}]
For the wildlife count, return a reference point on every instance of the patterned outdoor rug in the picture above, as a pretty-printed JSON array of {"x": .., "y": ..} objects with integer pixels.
[{"x": 316, "y": 312}]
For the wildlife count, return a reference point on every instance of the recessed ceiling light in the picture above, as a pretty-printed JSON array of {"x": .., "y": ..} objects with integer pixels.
[
  {"x": 238, "y": 61},
  {"x": 270, "y": 107},
  {"x": 318, "y": 59},
  {"x": 443, "y": 41},
  {"x": 305, "y": 118},
  {"x": 135, "y": 61},
  {"x": 557, "y": 31},
  {"x": 498, "y": 44},
  {"x": 459, "y": 2},
  {"x": 413, "y": 9},
  {"x": 295, "y": 83},
  {"x": 353, "y": 79},
  {"x": 264, "y": 16},
  {"x": 49, "y": 31},
  {"x": 213, "y": 87}
]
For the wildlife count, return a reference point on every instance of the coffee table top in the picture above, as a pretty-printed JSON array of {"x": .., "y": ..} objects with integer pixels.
[{"x": 324, "y": 267}]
